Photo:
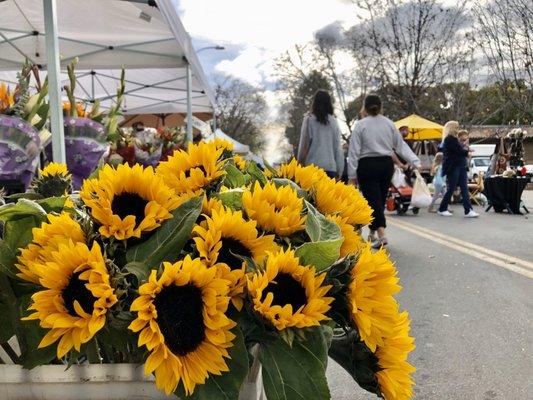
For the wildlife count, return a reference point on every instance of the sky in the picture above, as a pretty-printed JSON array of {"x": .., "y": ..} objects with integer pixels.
[{"x": 254, "y": 33}]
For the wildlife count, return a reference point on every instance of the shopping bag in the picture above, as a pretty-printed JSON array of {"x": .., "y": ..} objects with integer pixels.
[
  {"x": 421, "y": 196},
  {"x": 398, "y": 178}
]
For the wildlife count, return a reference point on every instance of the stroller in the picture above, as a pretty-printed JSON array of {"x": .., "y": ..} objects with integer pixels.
[{"x": 400, "y": 192}]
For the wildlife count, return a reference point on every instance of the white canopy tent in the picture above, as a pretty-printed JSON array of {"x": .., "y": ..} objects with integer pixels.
[{"x": 146, "y": 37}]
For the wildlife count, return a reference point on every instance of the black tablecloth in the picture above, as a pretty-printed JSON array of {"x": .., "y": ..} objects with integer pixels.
[{"x": 505, "y": 193}]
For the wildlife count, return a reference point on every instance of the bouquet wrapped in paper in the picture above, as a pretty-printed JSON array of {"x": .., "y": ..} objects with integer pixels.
[{"x": 203, "y": 269}]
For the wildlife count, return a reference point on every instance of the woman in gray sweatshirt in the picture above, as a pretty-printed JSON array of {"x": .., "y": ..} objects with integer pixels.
[
  {"x": 373, "y": 142},
  {"x": 320, "y": 138}
]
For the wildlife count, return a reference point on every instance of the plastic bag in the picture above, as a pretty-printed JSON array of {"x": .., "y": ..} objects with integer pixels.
[
  {"x": 398, "y": 178},
  {"x": 421, "y": 196}
]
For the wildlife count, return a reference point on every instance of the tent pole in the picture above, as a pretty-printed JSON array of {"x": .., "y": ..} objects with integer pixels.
[
  {"x": 189, "y": 103},
  {"x": 54, "y": 80}
]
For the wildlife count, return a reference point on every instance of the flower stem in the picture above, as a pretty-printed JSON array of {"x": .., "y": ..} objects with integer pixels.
[{"x": 93, "y": 352}]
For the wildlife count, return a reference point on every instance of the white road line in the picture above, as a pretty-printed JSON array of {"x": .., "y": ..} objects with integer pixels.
[
  {"x": 505, "y": 257},
  {"x": 471, "y": 250}
]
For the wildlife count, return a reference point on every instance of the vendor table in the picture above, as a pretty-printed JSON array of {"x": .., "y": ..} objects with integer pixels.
[{"x": 505, "y": 193}]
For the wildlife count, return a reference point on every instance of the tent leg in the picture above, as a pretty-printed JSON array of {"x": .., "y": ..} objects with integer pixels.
[
  {"x": 54, "y": 80},
  {"x": 189, "y": 103}
]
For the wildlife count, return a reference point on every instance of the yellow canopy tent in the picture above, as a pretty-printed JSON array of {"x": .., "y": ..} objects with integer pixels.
[{"x": 420, "y": 128}]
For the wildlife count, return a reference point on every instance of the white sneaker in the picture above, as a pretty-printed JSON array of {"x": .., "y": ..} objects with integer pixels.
[
  {"x": 379, "y": 242},
  {"x": 471, "y": 214},
  {"x": 445, "y": 213}
]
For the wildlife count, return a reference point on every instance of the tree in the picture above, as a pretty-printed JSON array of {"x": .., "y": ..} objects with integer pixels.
[
  {"x": 242, "y": 111},
  {"x": 504, "y": 32},
  {"x": 301, "y": 103},
  {"x": 409, "y": 46}
]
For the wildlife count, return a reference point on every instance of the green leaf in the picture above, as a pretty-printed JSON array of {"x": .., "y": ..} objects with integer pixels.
[
  {"x": 33, "y": 335},
  {"x": 26, "y": 195},
  {"x": 53, "y": 204},
  {"x": 6, "y": 329},
  {"x": 35, "y": 356},
  {"x": 234, "y": 178},
  {"x": 18, "y": 233},
  {"x": 255, "y": 172},
  {"x": 294, "y": 373},
  {"x": 287, "y": 182},
  {"x": 232, "y": 198},
  {"x": 8, "y": 258},
  {"x": 166, "y": 243},
  {"x": 326, "y": 240},
  {"x": 227, "y": 385},
  {"x": 318, "y": 227},
  {"x": 319, "y": 254},
  {"x": 22, "y": 209},
  {"x": 138, "y": 269}
]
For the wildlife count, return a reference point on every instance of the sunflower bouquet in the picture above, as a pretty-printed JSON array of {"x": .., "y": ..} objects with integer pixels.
[{"x": 211, "y": 272}]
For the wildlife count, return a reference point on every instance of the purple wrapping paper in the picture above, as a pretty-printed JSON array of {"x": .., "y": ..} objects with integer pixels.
[
  {"x": 85, "y": 145},
  {"x": 19, "y": 150}
]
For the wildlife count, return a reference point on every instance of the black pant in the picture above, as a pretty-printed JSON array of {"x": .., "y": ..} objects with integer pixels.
[
  {"x": 374, "y": 176},
  {"x": 332, "y": 174}
]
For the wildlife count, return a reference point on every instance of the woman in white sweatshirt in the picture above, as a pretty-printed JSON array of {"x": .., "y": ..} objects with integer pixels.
[{"x": 373, "y": 142}]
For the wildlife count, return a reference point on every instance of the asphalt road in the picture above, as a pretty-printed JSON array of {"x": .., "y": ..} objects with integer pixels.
[{"x": 471, "y": 311}]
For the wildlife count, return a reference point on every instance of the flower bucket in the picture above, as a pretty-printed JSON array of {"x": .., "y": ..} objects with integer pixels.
[
  {"x": 95, "y": 382},
  {"x": 19, "y": 151}
]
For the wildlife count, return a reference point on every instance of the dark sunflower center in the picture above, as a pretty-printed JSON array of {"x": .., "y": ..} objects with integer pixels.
[
  {"x": 76, "y": 290},
  {"x": 127, "y": 203},
  {"x": 200, "y": 167},
  {"x": 229, "y": 251},
  {"x": 286, "y": 290},
  {"x": 179, "y": 316}
]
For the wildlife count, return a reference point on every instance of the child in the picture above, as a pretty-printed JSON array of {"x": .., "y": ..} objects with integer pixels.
[{"x": 438, "y": 181}]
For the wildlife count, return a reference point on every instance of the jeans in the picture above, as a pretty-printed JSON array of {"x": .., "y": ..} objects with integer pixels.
[
  {"x": 374, "y": 175},
  {"x": 457, "y": 177}
]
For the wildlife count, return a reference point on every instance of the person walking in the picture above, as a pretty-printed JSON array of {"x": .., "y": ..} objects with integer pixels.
[
  {"x": 373, "y": 142},
  {"x": 439, "y": 184},
  {"x": 320, "y": 138},
  {"x": 454, "y": 168}
]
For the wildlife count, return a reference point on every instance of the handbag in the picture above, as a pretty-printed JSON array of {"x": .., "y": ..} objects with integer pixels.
[{"x": 421, "y": 197}]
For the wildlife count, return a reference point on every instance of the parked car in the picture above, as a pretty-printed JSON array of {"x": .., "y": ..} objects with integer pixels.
[{"x": 478, "y": 165}]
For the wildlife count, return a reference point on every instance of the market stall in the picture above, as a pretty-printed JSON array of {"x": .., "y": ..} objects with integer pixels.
[{"x": 144, "y": 37}]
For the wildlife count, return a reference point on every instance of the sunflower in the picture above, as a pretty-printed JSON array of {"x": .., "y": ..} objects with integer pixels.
[
  {"x": 333, "y": 197},
  {"x": 277, "y": 210},
  {"x": 353, "y": 242},
  {"x": 55, "y": 169},
  {"x": 394, "y": 376},
  {"x": 370, "y": 295},
  {"x": 46, "y": 240},
  {"x": 128, "y": 201},
  {"x": 224, "y": 240},
  {"x": 288, "y": 294},
  {"x": 182, "y": 322},
  {"x": 305, "y": 177},
  {"x": 223, "y": 144},
  {"x": 194, "y": 169},
  {"x": 7, "y": 98},
  {"x": 76, "y": 297},
  {"x": 54, "y": 181},
  {"x": 211, "y": 204},
  {"x": 239, "y": 162}
]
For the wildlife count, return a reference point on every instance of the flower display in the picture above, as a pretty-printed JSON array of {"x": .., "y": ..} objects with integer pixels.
[
  {"x": 76, "y": 296},
  {"x": 194, "y": 169},
  {"x": 277, "y": 210},
  {"x": 182, "y": 322},
  {"x": 127, "y": 201},
  {"x": 288, "y": 294},
  {"x": 200, "y": 269}
]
